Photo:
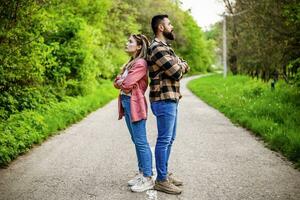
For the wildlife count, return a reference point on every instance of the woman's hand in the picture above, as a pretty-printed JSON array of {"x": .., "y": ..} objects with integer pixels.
[
  {"x": 116, "y": 86},
  {"x": 117, "y": 82}
]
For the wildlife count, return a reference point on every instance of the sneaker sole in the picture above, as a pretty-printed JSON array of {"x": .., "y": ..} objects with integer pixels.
[
  {"x": 142, "y": 190},
  {"x": 165, "y": 191},
  {"x": 132, "y": 184}
]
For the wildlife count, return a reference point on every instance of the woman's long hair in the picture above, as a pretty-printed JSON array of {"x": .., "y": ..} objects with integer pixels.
[{"x": 141, "y": 53}]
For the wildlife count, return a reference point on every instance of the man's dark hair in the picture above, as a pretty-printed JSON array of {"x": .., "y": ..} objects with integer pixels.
[{"x": 156, "y": 20}]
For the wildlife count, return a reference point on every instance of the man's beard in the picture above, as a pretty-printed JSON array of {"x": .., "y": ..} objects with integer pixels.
[{"x": 169, "y": 35}]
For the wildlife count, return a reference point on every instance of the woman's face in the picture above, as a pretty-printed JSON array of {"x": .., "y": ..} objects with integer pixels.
[{"x": 131, "y": 46}]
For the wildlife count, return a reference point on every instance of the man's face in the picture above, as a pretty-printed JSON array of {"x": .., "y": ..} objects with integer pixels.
[{"x": 168, "y": 29}]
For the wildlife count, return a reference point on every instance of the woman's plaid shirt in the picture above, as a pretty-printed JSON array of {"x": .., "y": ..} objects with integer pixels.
[{"x": 165, "y": 71}]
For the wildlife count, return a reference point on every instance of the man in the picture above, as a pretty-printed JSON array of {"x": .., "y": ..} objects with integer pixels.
[{"x": 165, "y": 71}]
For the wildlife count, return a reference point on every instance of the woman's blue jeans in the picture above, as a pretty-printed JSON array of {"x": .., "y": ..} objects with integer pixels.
[
  {"x": 139, "y": 138},
  {"x": 166, "y": 118}
]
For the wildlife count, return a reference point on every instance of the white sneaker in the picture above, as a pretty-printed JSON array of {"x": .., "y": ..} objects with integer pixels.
[
  {"x": 136, "y": 179},
  {"x": 145, "y": 183}
]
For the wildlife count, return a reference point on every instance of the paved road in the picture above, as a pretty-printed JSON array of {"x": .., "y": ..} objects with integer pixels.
[{"x": 94, "y": 159}]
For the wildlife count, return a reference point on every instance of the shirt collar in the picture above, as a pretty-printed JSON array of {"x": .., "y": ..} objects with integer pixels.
[{"x": 159, "y": 41}]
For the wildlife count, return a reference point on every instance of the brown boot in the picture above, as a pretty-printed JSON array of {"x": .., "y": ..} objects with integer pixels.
[
  {"x": 167, "y": 187},
  {"x": 174, "y": 180}
]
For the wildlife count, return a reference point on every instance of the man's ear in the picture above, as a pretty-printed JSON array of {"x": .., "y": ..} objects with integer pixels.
[{"x": 161, "y": 27}]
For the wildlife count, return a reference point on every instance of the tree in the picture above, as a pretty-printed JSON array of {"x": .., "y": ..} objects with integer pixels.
[{"x": 265, "y": 39}]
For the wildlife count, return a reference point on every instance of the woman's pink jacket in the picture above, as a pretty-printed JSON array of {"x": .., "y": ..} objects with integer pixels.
[{"x": 137, "y": 82}]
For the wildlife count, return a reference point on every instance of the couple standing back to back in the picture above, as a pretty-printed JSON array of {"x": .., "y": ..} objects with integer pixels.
[{"x": 165, "y": 71}]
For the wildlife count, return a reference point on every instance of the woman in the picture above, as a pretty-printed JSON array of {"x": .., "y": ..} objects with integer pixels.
[{"x": 133, "y": 82}]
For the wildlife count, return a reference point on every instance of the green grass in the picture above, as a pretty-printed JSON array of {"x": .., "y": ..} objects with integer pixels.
[
  {"x": 21, "y": 131},
  {"x": 274, "y": 115}
]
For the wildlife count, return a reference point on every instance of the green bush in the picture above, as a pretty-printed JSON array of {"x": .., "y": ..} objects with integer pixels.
[{"x": 24, "y": 129}]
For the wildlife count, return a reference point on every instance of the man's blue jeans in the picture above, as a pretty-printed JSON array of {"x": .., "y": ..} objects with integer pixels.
[
  {"x": 166, "y": 118},
  {"x": 139, "y": 138}
]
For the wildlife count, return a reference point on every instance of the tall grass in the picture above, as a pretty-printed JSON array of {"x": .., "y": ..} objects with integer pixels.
[
  {"x": 273, "y": 115},
  {"x": 21, "y": 131}
]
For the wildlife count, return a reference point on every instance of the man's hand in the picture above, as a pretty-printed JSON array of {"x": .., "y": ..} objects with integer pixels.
[{"x": 183, "y": 64}]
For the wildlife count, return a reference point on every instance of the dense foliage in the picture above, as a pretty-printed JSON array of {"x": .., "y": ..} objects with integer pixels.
[
  {"x": 53, "y": 49},
  {"x": 56, "y": 55},
  {"x": 264, "y": 38},
  {"x": 272, "y": 114}
]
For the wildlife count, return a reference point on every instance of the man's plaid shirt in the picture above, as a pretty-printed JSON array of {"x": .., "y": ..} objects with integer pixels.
[{"x": 165, "y": 72}]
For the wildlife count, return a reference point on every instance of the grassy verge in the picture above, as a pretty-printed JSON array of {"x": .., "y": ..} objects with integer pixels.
[
  {"x": 21, "y": 131},
  {"x": 273, "y": 115}
]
